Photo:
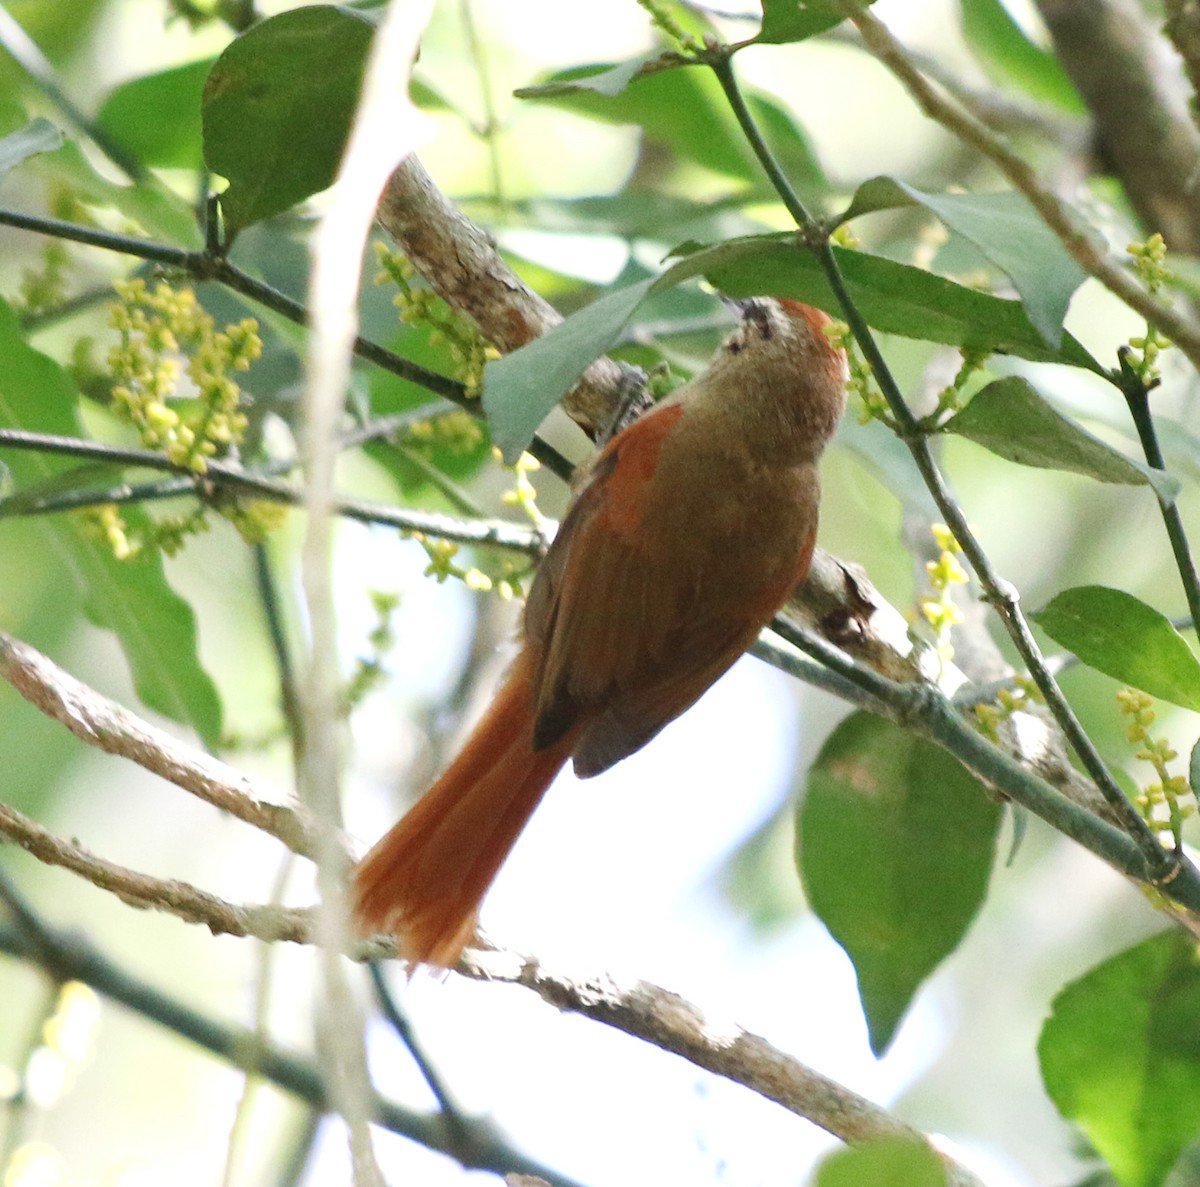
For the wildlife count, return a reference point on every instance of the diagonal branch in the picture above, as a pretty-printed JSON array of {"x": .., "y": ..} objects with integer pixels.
[
  {"x": 669, "y": 1022},
  {"x": 181, "y": 899},
  {"x": 462, "y": 265},
  {"x": 1137, "y": 96},
  {"x": 107, "y": 726},
  {"x": 1056, "y": 214}
]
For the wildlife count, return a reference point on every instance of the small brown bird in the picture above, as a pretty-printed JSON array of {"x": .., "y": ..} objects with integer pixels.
[{"x": 690, "y": 530}]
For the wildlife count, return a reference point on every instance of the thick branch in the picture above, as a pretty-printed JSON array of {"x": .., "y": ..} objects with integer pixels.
[
  {"x": 1183, "y": 28},
  {"x": 462, "y": 265},
  {"x": 1136, "y": 95}
]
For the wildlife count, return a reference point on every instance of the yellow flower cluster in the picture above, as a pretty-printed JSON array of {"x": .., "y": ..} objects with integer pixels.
[
  {"x": 442, "y": 566},
  {"x": 420, "y": 306},
  {"x": 872, "y": 405},
  {"x": 1165, "y": 794},
  {"x": 456, "y": 430},
  {"x": 164, "y": 336},
  {"x": 369, "y": 670},
  {"x": 944, "y": 574},
  {"x": 160, "y": 329},
  {"x": 1149, "y": 262},
  {"x": 991, "y": 715},
  {"x": 524, "y": 493}
]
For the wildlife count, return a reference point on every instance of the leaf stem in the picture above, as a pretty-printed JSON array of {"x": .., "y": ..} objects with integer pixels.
[
  {"x": 1137, "y": 398},
  {"x": 720, "y": 59}
]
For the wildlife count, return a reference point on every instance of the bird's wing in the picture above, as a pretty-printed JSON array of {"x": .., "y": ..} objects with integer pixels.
[{"x": 629, "y": 636}]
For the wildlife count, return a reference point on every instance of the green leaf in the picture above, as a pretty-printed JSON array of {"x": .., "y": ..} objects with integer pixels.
[
  {"x": 58, "y": 30},
  {"x": 602, "y": 78},
  {"x": 894, "y": 298},
  {"x": 1194, "y": 766},
  {"x": 895, "y": 848},
  {"x": 1009, "y": 232},
  {"x": 631, "y": 214},
  {"x": 155, "y": 627},
  {"x": 38, "y": 136},
  {"x": 515, "y": 406},
  {"x": 1011, "y": 58},
  {"x": 1010, "y": 418},
  {"x": 788, "y": 20},
  {"x": 278, "y": 106},
  {"x": 1120, "y": 1056},
  {"x": 150, "y": 203},
  {"x": 1121, "y": 636},
  {"x": 887, "y": 1163},
  {"x": 685, "y": 110},
  {"x": 157, "y": 117},
  {"x": 520, "y": 389}
]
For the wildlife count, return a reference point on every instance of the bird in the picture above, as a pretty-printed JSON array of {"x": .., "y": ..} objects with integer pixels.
[{"x": 689, "y": 530}]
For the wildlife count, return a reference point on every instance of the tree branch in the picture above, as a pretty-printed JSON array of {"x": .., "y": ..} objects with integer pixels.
[
  {"x": 496, "y": 533},
  {"x": 1056, "y": 214},
  {"x": 1183, "y": 28},
  {"x": 641, "y": 1010},
  {"x": 107, "y": 726},
  {"x": 202, "y": 265},
  {"x": 644, "y": 1011},
  {"x": 475, "y": 1144},
  {"x": 671, "y": 1023},
  {"x": 181, "y": 899},
  {"x": 1158, "y": 866},
  {"x": 1136, "y": 94},
  {"x": 462, "y": 265}
]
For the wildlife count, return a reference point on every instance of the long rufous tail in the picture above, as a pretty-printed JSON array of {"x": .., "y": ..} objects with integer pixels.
[{"x": 424, "y": 880}]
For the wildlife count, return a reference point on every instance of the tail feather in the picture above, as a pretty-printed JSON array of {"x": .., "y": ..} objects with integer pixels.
[{"x": 425, "y": 879}]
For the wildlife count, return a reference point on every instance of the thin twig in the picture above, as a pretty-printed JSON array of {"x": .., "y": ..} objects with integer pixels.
[
  {"x": 171, "y": 896},
  {"x": 484, "y": 532},
  {"x": 73, "y": 957},
  {"x": 1137, "y": 398},
  {"x": 399, "y": 1022},
  {"x": 41, "y": 70},
  {"x": 992, "y": 106},
  {"x": 1081, "y": 244}
]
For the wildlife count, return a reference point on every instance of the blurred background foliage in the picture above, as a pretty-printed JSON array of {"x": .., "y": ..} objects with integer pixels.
[{"x": 679, "y": 866}]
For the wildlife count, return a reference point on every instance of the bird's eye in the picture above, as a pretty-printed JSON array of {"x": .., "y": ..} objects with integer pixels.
[{"x": 758, "y": 315}]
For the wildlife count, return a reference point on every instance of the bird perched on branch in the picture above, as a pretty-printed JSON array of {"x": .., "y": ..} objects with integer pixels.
[{"x": 691, "y": 528}]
